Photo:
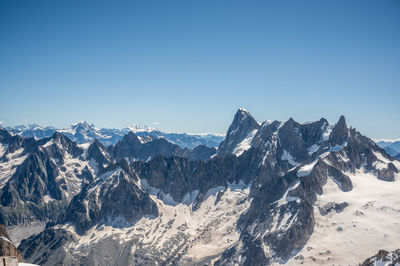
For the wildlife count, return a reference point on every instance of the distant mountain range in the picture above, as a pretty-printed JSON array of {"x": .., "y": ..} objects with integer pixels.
[
  {"x": 83, "y": 132},
  {"x": 392, "y": 147},
  {"x": 276, "y": 192}
]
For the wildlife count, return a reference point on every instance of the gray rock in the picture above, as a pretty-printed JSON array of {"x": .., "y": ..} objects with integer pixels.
[
  {"x": 384, "y": 258},
  {"x": 243, "y": 123}
]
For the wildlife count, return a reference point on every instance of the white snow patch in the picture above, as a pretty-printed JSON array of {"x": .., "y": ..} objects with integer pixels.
[
  {"x": 46, "y": 199},
  {"x": 305, "y": 170},
  {"x": 3, "y": 148},
  {"x": 286, "y": 156},
  {"x": 141, "y": 128},
  {"x": 327, "y": 132},
  {"x": 72, "y": 167},
  {"x": 7, "y": 168},
  {"x": 383, "y": 162},
  {"x": 338, "y": 147},
  {"x": 49, "y": 143},
  {"x": 245, "y": 144}
]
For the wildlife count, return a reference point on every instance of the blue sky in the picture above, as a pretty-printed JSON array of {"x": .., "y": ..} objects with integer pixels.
[{"x": 188, "y": 65}]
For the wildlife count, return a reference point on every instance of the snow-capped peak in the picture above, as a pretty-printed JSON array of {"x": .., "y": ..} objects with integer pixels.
[
  {"x": 83, "y": 124},
  {"x": 141, "y": 128}
]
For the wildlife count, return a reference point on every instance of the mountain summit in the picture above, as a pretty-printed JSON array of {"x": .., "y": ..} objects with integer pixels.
[{"x": 241, "y": 131}]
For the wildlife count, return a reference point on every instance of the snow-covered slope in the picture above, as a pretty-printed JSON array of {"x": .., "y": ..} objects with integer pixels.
[
  {"x": 177, "y": 235},
  {"x": 371, "y": 221}
]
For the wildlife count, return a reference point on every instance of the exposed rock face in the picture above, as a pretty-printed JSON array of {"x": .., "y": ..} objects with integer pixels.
[
  {"x": 15, "y": 143},
  {"x": 41, "y": 186},
  {"x": 334, "y": 150},
  {"x": 178, "y": 176},
  {"x": 131, "y": 147},
  {"x": 332, "y": 206},
  {"x": 113, "y": 198},
  {"x": 7, "y": 248},
  {"x": 5, "y": 136},
  {"x": 46, "y": 246},
  {"x": 242, "y": 125},
  {"x": 339, "y": 133},
  {"x": 53, "y": 170},
  {"x": 42, "y": 172},
  {"x": 201, "y": 152},
  {"x": 384, "y": 258},
  {"x": 99, "y": 154}
]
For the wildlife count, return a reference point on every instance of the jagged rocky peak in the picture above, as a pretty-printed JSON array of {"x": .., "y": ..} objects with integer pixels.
[
  {"x": 98, "y": 152},
  {"x": 82, "y": 126},
  {"x": 243, "y": 127},
  {"x": 127, "y": 146},
  {"x": 243, "y": 116},
  {"x": 114, "y": 198},
  {"x": 97, "y": 149},
  {"x": 313, "y": 131},
  {"x": 64, "y": 144},
  {"x": 81, "y": 123},
  {"x": 339, "y": 133},
  {"x": 130, "y": 139},
  {"x": 292, "y": 146},
  {"x": 33, "y": 179}
]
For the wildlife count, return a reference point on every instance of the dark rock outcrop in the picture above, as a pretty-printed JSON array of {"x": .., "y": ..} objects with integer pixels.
[
  {"x": 7, "y": 248},
  {"x": 332, "y": 206},
  {"x": 339, "y": 133},
  {"x": 201, "y": 152},
  {"x": 384, "y": 258}
]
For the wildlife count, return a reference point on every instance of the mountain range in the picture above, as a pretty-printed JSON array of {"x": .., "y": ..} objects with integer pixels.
[
  {"x": 392, "y": 147},
  {"x": 271, "y": 193},
  {"x": 83, "y": 132}
]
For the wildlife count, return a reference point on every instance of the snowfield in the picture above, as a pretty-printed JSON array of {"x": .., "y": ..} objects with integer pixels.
[
  {"x": 370, "y": 222},
  {"x": 200, "y": 234}
]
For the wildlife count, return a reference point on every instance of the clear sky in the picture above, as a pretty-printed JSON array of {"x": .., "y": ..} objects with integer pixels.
[{"x": 188, "y": 65}]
